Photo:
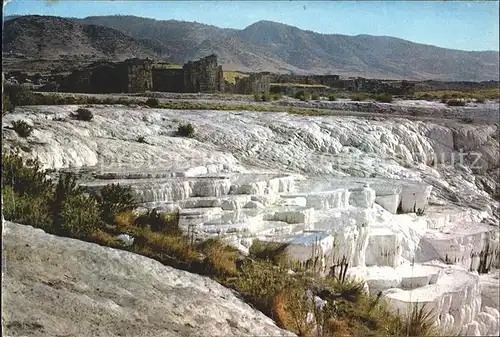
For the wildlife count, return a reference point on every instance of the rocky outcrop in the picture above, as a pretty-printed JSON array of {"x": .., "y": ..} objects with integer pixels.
[
  {"x": 55, "y": 286},
  {"x": 374, "y": 194}
]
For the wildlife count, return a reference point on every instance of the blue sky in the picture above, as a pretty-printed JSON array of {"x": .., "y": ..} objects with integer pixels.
[{"x": 467, "y": 25}]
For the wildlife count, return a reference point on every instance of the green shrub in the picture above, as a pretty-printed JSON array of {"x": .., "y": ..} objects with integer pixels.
[
  {"x": 265, "y": 97},
  {"x": 419, "y": 322},
  {"x": 385, "y": 98},
  {"x": 496, "y": 195},
  {"x": 7, "y": 106},
  {"x": 22, "y": 128},
  {"x": 257, "y": 97},
  {"x": 220, "y": 259},
  {"x": 65, "y": 188},
  {"x": 152, "y": 103},
  {"x": 50, "y": 99},
  {"x": 455, "y": 102},
  {"x": 19, "y": 95},
  {"x": 271, "y": 251},
  {"x": 332, "y": 97},
  {"x": 359, "y": 97},
  {"x": 27, "y": 209},
  {"x": 315, "y": 97},
  {"x": 186, "y": 130},
  {"x": 115, "y": 199},
  {"x": 158, "y": 222},
  {"x": 303, "y": 95},
  {"x": 25, "y": 176},
  {"x": 80, "y": 216},
  {"x": 260, "y": 281},
  {"x": 83, "y": 114},
  {"x": 276, "y": 97}
]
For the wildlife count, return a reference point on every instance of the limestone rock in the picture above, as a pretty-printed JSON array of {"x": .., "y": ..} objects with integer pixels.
[{"x": 60, "y": 286}]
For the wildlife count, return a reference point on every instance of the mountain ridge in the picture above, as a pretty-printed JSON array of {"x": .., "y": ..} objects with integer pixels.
[{"x": 277, "y": 47}]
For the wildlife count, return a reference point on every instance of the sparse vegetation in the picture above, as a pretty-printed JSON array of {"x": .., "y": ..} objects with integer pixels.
[
  {"x": 496, "y": 195},
  {"x": 385, "y": 98},
  {"x": 19, "y": 95},
  {"x": 22, "y": 128},
  {"x": 80, "y": 215},
  {"x": 152, "y": 102},
  {"x": 7, "y": 106},
  {"x": 489, "y": 93},
  {"x": 266, "y": 98},
  {"x": 115, "y": 199},
  {"x": 303, "y": 95},
  {"x": 186, "y": 130},
  {"x": 141, "y": 139},
  {"x": 314, "y": 96},
  {"x": 272, "y": 251},
  {"x": 332, "y": 97},
  {"x": 84, "y": 114},
  {"x": 359, "y": 97},
  {"x": 276, "y": 96}
]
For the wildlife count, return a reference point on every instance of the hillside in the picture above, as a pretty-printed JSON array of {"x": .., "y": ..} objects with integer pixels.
[
  {"x": 264, "y": 46},
  {"x": 51, "y": 37}
]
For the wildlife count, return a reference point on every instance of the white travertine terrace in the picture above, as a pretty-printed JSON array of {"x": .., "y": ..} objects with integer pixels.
[{"x": 373, "y": 192}]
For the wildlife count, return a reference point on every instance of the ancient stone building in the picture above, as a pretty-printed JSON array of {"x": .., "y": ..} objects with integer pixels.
[
  {"x": 254, "y": 84},
  {"x": 328, "y": 80},
  {"x": 204, "y": 75},
  {"x": 132, "y": 75},
  {"x": 168, "y": 79},
  {"x": 139, "y": 75}
]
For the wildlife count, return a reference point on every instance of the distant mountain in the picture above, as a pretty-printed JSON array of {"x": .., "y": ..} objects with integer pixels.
[
  {"x": 51, "y": 37},
  {"x": 271, "y": 46}
]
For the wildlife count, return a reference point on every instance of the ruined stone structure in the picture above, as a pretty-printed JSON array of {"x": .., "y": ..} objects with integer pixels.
[
  {"x": 352, "y": 84},
  {"x": 168, "y": 79},
  {"x": 204, "y": 75},
  {"x": 254, "y": 84},
  {"x": 328, "y": 80},
  {"x": 132, "y": 75}
]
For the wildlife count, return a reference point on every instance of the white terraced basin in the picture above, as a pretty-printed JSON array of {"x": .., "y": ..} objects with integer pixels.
[
  {"x": 280, "y": 177},
  {"x": 455, "y": 299},
  {"x": 474, "y": 246},
  {"x": 384, "y": 248}
]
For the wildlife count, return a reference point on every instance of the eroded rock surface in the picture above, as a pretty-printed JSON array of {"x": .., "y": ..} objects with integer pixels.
[
  {"x": 55, "y": 286},
  {"x": 386, "y": 196}
]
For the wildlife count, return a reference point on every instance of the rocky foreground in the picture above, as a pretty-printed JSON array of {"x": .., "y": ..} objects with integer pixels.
[{"x": 55, "y": 286}]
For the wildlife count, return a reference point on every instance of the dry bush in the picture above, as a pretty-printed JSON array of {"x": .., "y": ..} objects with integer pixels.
[
  {"x": 273, "y": 251},
  {"x": 220, "y": 259},
  {"x": 105, "y": 239},
  {"x": 174, "y": 246}
]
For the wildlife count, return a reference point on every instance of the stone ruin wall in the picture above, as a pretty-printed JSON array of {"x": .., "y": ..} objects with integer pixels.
[
  {"x": 203, "y": 75},
  {"x": 254, "y": 84},
  {"x": 357, "y": 84},
  {"x": 168, "y": 80},
  {"x": 291, "y": 90},
  {"x": 140, "y": 78},
  {"x": 132, "y": 75}
]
